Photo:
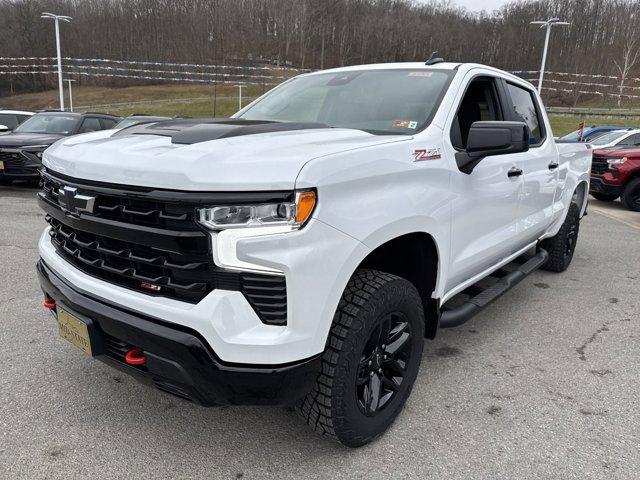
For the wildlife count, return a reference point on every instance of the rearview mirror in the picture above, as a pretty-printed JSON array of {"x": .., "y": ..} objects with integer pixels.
[
  {"x": 492, "y": 138},
  {"x": 4, "y": 128}
]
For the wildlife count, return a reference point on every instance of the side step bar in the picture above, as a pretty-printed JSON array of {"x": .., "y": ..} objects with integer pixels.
[{"x": 457, "y": 316}]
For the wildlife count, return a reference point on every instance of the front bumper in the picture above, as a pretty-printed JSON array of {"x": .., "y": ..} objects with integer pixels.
[
  {"x": 179, "y": 360},
  {"x": 599, "y": 185}
]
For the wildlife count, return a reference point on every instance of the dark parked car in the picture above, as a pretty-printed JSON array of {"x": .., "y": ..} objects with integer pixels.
[{"x": 21, "y": 150}]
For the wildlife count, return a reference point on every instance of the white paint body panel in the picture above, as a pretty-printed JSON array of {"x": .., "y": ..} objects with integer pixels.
[{"x": 370, "y": 191}]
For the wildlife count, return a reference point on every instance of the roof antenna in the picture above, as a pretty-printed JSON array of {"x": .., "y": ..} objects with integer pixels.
[{"x": 434, "y": 58}]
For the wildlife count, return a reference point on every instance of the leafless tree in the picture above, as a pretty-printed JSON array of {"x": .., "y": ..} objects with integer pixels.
[{"x": 630, "y": 56}]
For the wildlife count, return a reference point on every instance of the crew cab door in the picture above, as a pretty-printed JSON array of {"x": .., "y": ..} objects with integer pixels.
[
  {"x": 540, "y": 164},
  {"x": 485, "y": 206}
]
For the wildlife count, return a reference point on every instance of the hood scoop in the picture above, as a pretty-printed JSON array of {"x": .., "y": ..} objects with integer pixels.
[{"x": 190, "y": 131}]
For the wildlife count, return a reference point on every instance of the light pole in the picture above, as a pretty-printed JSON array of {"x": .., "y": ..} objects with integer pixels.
[
  {"x": 69, "y": 80},
  {"x": 57, "y": 19},
  {"x": 548, "y": 24}
]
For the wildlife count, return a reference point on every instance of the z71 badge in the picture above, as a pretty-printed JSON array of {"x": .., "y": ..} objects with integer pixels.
[{"x": 420, "y": 154}]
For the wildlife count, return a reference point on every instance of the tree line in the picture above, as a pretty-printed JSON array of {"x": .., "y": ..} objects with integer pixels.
[{"x": 321, "y": 34}]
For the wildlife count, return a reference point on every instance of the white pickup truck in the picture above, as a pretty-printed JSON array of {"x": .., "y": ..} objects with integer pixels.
[{"x": 300, "y": 251}]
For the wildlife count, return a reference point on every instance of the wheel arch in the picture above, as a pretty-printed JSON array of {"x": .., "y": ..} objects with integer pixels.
[
  {"x": 415, "y": 257},
  {"x": 580, "y": 196}
]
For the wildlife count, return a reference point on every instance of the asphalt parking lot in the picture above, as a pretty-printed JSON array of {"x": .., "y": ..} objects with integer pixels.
[{"x": 544, "y": 384}]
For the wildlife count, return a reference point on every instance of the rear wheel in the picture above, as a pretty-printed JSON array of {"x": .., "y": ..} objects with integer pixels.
[
  {"x": 604, "y": 197},
  {"x": 563, "y": 244},
  {"x": 371, "y": 361},
  {"x": 631, "y": 195},
  {"x": 5, "y": 181}
]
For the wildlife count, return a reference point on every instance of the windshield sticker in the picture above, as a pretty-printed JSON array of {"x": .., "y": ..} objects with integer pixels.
[
  {"x": 405, "y": 124},
  {"x": 420, "y": 74},
  {"x": 421, "y": 154}
]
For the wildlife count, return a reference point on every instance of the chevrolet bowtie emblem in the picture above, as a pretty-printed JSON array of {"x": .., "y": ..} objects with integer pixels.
[{"x": 74, "y": 203}]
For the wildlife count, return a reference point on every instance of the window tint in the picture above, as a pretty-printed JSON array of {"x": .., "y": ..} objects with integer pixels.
[
  {"x": 630, "y": 141},
  {"x": 90, "y": 124},
  {"x": 9, "y": 120},
  {"x": 107, "y": 123},
  {"x": 480, "y": 103},
  {"x": 525, "y": 110}
]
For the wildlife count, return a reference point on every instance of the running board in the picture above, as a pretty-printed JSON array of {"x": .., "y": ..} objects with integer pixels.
[{"x": 455, "y": 316}]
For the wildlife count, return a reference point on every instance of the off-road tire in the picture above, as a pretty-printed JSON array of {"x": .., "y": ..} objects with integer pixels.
[
  {"x": 631, "y": 195},
  {"x": 331, "y": 408},
  {"x": 558, "y": 247},
  {"x": 604, "y": 197}
]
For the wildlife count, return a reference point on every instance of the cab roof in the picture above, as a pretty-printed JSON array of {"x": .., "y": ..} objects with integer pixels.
[{"x": 444, "y": 66}]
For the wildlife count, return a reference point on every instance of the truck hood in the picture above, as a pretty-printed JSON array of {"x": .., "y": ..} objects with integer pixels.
[
  {"x": 25, "y": 139},
  {"x": 265, "y": 161}
]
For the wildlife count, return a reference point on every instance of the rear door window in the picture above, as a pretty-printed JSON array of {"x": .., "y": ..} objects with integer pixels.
[
  {"x": 107, "y": 123},
  {"x": 525, "y": 109},
  {"x": 630, "y": 141},
  {"x": 90, "y": 124}
]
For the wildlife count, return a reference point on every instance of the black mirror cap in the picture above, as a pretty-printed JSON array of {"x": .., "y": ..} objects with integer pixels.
[{"x": 493, "y": 138}]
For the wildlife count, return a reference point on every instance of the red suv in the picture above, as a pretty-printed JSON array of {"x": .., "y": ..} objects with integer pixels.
[{"x": 616, "y": 173}]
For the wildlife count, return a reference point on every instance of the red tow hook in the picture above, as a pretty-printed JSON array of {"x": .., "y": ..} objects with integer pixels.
[
  {"x": 135, "y": 356},
  {"x": 49, "y": 303}
]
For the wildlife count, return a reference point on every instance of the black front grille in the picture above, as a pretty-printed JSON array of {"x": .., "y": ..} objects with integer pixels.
[
  {"x": 170, "y": 257},
  {"x": 131, "y": 208},
  {"x": 10, "y": 157},
  {"x": 177, "y": 275},
  {"x": 599, "y": 165},
  {"x": 13, "y": 162}
]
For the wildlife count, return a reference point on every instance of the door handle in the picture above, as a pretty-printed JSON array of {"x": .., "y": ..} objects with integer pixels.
[
  {"x": 553, "y": 165},
  {"x": 514, "y": 172}
]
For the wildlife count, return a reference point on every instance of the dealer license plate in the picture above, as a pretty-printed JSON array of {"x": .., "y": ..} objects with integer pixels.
[{"x": 74, "y": 330}]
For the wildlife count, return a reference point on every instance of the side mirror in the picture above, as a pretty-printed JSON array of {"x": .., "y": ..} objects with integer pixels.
[
  {"x": 492, "y": 138},
  {"x": 4, "y": 128}
]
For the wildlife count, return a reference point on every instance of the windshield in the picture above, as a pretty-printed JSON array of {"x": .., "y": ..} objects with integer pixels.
[
  {"x": 376, "y": 101},
  {"x": 607, "y": 138},
  {"x": 56, "y": 124}
]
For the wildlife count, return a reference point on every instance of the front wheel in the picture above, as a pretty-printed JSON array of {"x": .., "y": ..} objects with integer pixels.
[
  {"x": 561, "y": 246},
  {"x": 631, "y": 195},
  {"x": 604, "y": 197},
  {"x": 371, "y": 360}
]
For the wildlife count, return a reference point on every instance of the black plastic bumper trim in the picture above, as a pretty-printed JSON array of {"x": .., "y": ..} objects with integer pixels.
[
  {"x": 598, "y": 185},
  {"x": 180, "y": 361}
]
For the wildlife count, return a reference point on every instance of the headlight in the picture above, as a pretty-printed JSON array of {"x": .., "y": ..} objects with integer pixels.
[
  {"x": 616, "y": 161},
  {"x": 293, "y": 214}
]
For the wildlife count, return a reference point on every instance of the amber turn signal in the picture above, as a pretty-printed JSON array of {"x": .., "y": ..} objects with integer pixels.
[{"x": 305, "y": 203}]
